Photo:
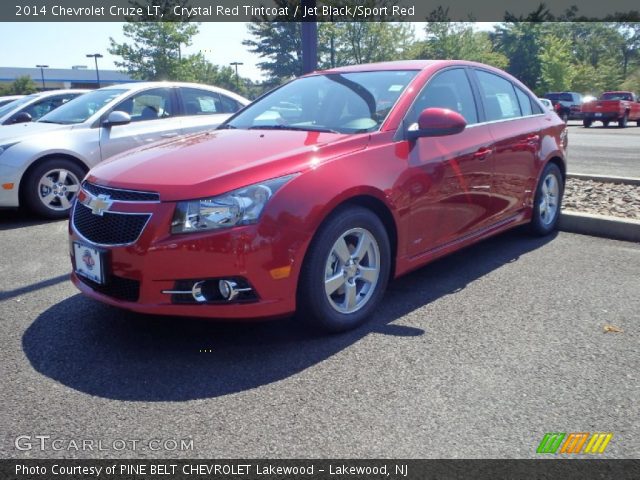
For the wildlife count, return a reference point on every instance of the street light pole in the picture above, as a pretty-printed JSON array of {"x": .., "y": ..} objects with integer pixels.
[
  {"x": 237, "y": 78},
  {"x": 42, "y": 67},
  {"x": 96, "y": 56}
]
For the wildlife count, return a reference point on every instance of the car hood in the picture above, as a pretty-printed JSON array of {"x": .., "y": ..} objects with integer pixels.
[
  {"x": 218, "y": 161},
  {"x": 17, "y": 132}
]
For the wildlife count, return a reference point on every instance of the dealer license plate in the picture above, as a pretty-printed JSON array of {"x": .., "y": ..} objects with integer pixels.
[
  {"x": 598, "y": 114},
  {"x": 89, "y": 262}
]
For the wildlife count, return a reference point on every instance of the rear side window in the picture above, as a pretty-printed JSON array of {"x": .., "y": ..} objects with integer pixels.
[
  {"x": 449, "y": 89},
  {"x": 498, "y": 97},
  {"x": 525, "y": 102},
  {"x": 200, "y": 102},
  {"x": 229, "y": 105}
]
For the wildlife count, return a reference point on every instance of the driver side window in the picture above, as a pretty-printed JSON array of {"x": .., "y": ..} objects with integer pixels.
[
  {"x": 449, "y": 89},
  {"x": 148, "y": 105}
]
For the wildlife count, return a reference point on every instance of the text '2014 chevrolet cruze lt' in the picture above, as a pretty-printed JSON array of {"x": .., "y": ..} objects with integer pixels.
[{"x": 316, "y": 195}]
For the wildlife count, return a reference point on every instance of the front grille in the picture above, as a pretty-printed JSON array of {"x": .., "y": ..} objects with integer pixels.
[
  {"x": 110, "y": 228},
  {"x": 121, "y": 195},
  {"x": 116, "y": 287}
]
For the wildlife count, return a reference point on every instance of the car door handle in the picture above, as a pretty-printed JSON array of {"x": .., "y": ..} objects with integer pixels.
[
  {"x": 169, "y": 135},
  {"x": 483, "y": 153},
  {"x": 533, "y": 138}
]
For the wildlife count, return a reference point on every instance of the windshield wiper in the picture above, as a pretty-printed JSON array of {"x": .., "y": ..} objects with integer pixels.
[
  {"x": 309, "y": 128},
  {"x": 226, "y": 127},
  {"x": 48, "y": 121}
]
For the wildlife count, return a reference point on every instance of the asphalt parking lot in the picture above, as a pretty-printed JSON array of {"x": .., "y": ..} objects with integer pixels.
[
  {"x": 477, "y": 355},
  {"x": 604, "y": 151}
]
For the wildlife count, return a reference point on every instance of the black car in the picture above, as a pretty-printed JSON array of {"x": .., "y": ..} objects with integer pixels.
[{"x": 566, "y": 104}]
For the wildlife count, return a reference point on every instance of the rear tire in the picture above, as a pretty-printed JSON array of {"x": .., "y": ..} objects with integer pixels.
[
  {"x": 346, "y": 270},
  {"x": 50, "y": 188},
  {"x": 547, "y": 201},
  {"x": 605, "y": 124},
  {"x": 586, "y": 123},
  {"x": 622, "y": 123}
]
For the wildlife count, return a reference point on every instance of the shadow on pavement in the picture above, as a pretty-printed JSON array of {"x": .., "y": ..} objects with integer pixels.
[
  {"x": 4, "y": 295},
  {"x": 12, "y": 218},
  {"x": 115, "y": 354}
]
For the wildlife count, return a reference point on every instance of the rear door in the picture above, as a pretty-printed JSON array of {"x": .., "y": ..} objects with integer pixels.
[
  {"x": 450, "y": 186},
  {"x": 205, "y": 109},
  {"x": 153, "y": 117},
  {"x": 514, "y": 122}
]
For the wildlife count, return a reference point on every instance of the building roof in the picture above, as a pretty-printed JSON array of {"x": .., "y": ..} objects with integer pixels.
[{"x": 64, "y": 75}]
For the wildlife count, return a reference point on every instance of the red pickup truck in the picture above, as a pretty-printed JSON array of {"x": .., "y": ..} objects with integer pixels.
[{"x": 612, "y": 107}]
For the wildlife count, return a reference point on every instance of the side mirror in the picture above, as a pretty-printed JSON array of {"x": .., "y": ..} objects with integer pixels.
[
  {"x": 437, "y": 122},
  {"x": 21, "y": 117},
  {"x": 117, "y": 117}
]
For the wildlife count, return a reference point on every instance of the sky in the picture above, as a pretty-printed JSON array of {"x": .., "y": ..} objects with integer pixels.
[{"x": 64, "y": 44}]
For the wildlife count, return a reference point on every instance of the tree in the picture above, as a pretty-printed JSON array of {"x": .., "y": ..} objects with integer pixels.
[
  {"x": 280, "y": 44},
  {"x": 557, "y": 71},
  {"x": 20, "y": 86},
  {"x": 447, "y": 40},
  {"x": 367, "y": 42}
]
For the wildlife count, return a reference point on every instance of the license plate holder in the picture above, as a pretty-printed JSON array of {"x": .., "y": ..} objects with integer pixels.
[{"x": 89, "y": 262}]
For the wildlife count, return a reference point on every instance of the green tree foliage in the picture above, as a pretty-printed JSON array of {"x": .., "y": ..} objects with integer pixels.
[
  {"x": 155, "y": 51},
  {"x": 458, "y": 40},
  {"x": 557, "y": 71},
  {"x": 20, "y": 86}
]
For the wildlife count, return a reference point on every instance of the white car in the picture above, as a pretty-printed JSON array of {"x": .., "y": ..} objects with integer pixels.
[
  {"x": 9, "y": 98},
  {"x": 547, "y": 104},
  {"x": 32, "y": 107},
  {"x": 42, "y": 163}
]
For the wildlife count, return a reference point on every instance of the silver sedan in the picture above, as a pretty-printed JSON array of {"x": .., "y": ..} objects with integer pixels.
[{"x": 42, "y": 163}]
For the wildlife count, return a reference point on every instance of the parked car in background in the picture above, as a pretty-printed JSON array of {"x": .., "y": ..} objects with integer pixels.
[
  {"x": 547, "y": 104},
  {"x": 9, "y": 98},
  {"x": 318, "y": 193},
  {"x": 43, "y": 162},
  {"x": 618, "y": 107},
  {"x": 32, "y": 107},
  {"x": 566, "y": 104}
]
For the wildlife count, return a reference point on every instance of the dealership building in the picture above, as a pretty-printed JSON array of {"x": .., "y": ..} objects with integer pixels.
[{"x": 55, "y": 78}]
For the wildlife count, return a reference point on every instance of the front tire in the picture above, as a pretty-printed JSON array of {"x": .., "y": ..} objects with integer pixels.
[
  {"x": 346, "y": 270},
  {"x": 605, "y": 124},
  {"x": 586, "y": 123},
  {"x": 547, "y": 202},
  {"x": 50, "y": 187}
]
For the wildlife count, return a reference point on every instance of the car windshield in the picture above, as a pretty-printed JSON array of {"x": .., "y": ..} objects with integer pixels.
[
  {"x": 81, "y": 108},
  {"x": 334, "y": 102},
  {"x": 16, "y": 103},
  {"x": 616, "y": 96}
]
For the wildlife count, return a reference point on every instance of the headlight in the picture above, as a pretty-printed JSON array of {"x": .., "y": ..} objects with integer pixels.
[
  {"x": 239, "y": 207},
  {"x": 6, "y": 146}
]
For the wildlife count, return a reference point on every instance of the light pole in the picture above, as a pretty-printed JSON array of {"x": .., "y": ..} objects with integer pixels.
[
  {"x": 96, "y": 56},
  {"x": 237, "y": 78},
  {"x": 42, "y": 67}
]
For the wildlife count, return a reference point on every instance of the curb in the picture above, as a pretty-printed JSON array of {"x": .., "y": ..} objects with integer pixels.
[
  {"x": 605, "y": 178},
  {"x": 600, "y": 225}
]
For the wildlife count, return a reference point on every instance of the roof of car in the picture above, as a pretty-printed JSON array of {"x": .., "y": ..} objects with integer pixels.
[
  {"x": 145, "y": 85},
  {"x": 395, "y": 65}
]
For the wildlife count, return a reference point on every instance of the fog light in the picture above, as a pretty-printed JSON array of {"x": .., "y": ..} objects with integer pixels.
[
  {"x": 196, "y": 292},
  {"x": 229, "y": 289}
]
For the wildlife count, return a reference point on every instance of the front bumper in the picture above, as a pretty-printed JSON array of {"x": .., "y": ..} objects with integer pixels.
[
  {"x": 9, "y": 197},
  {"x": 267, "y": 255}
]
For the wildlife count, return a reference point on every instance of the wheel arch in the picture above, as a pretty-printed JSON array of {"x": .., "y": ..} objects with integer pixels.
[
  {"x": 375, "y": 205},
  {"x": 36, "y": 163}
]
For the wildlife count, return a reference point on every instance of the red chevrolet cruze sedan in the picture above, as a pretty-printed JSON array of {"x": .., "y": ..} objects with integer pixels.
[{"x": 316, "y": 195}]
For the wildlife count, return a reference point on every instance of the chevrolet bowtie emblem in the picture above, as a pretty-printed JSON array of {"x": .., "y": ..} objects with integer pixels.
[{"x": 99, "y": 204}]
